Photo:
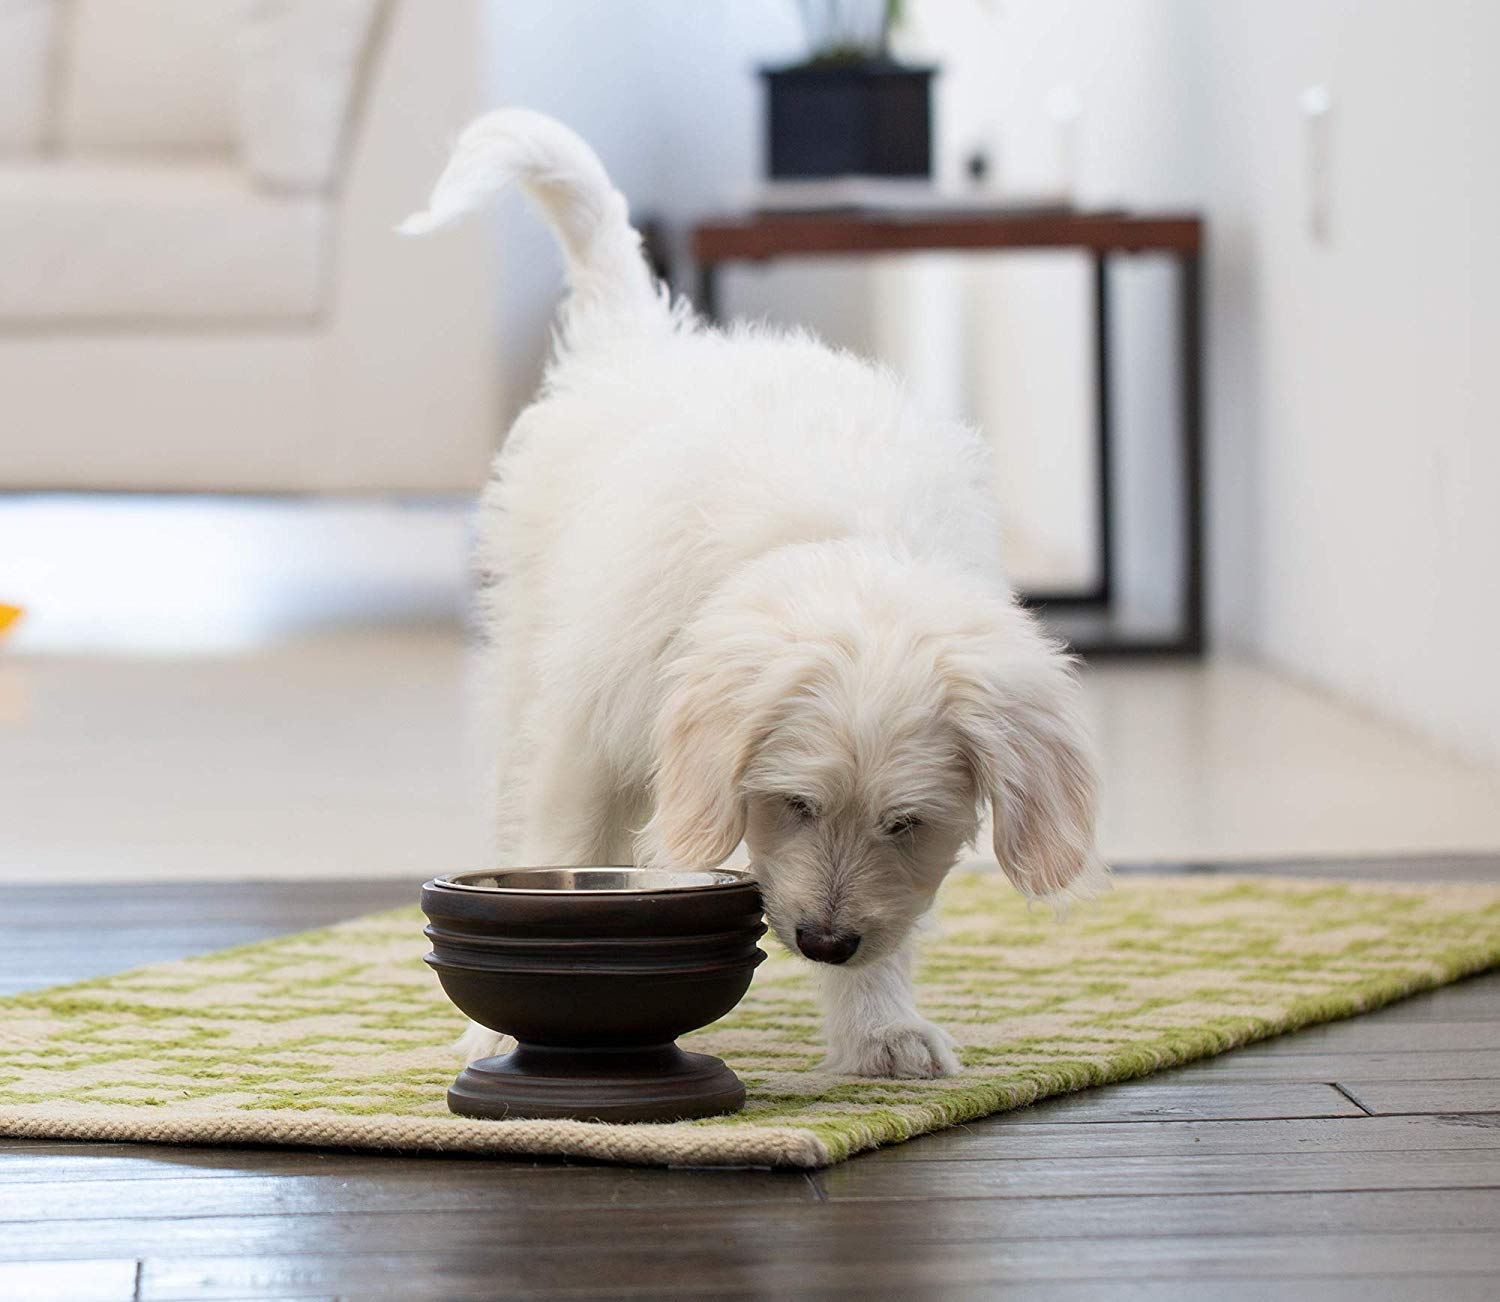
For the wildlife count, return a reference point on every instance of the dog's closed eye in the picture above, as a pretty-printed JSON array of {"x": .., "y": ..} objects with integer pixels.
[
  {"x": 800, "y": 808},
  {"x": 899, "y": 825}
]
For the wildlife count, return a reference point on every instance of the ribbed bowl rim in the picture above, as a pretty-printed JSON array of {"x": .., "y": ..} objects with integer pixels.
[{"x": 654, "y": 881}]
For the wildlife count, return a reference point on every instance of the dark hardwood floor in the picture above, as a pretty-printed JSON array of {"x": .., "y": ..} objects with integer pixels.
[{"x": 1358, "y": 1160}]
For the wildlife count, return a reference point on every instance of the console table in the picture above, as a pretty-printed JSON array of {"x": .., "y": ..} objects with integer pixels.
[{"x": 1090, "y": 619}]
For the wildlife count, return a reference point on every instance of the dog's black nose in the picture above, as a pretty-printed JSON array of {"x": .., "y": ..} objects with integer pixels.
[{"x": 827, "y": 946}]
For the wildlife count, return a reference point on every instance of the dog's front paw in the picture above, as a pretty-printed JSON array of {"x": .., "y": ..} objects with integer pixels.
[
  {"x": 480, "y": 1042},
  {"x": 910, "y": 1050}
]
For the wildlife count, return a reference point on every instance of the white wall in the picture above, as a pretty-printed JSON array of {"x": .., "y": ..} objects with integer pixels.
[{"x": 1356, "y": 400}]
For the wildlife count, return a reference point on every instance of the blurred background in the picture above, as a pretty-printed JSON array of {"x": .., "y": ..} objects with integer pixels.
[{"x": 1215, "y": 278}]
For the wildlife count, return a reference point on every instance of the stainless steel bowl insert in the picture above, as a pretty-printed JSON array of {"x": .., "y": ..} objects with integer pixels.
[{"x": 593, "y": 880}]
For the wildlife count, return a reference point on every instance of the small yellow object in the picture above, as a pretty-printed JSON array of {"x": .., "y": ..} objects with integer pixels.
[{"x": 8, "y": 616}]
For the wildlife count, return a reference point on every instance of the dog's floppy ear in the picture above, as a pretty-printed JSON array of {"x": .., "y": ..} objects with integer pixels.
[
  {"x": 725, "y": 694},
  {"x": 1014, "y": 702},
  {"x": 703, "y": 743}
]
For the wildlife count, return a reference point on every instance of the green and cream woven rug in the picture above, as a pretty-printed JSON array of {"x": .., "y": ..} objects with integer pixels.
[{"x": 342, "y": 1037}]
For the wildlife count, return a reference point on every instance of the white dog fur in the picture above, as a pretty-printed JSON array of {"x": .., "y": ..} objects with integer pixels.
[{"x": 737, "y": 587}]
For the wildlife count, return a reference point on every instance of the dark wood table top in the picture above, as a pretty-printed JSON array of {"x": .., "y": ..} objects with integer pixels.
[
  {"x": 1354, "y": 1160},
  {"x": 764, "y": 235}
]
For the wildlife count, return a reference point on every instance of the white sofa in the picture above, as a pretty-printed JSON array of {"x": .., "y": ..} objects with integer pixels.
[{"x": 200, "y": 289}]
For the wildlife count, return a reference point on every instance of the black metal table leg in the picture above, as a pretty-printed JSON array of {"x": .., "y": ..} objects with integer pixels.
[
  {"x": 1103, "y": 435},
  {"x": 1190, "y": 386},
  {"x": 706, "y": 299}
]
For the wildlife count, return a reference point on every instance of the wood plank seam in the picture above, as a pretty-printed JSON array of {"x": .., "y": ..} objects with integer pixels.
[{"x": 1351, "y": 1098}]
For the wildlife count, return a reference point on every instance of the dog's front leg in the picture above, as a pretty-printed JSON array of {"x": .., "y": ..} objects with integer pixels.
[{"x": 873, "y": 1025}]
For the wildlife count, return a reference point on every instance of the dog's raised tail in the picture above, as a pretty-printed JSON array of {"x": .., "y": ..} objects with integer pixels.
[{"x": 568, "y": 183}]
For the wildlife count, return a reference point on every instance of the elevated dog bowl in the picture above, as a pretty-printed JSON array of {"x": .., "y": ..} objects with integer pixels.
[{"x": 596, "y": 972}]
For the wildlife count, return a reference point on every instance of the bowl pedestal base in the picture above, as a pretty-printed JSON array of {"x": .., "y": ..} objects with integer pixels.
[{"x": 634, "y": 1083}]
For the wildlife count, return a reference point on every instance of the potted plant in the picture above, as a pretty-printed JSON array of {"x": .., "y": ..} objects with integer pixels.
[{"x": 849, "y": 109}]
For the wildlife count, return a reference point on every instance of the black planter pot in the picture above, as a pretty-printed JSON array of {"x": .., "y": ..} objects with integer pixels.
[{"x": 857, "y": 119}]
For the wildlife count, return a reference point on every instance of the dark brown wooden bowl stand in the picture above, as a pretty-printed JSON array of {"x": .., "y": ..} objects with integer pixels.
[
  {"x": 596, "y": 972},
  {"x": 660, "y": 1083}
]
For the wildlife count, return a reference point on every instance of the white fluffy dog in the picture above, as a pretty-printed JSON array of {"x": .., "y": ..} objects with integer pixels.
[{"x": 739, "y": 588}]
